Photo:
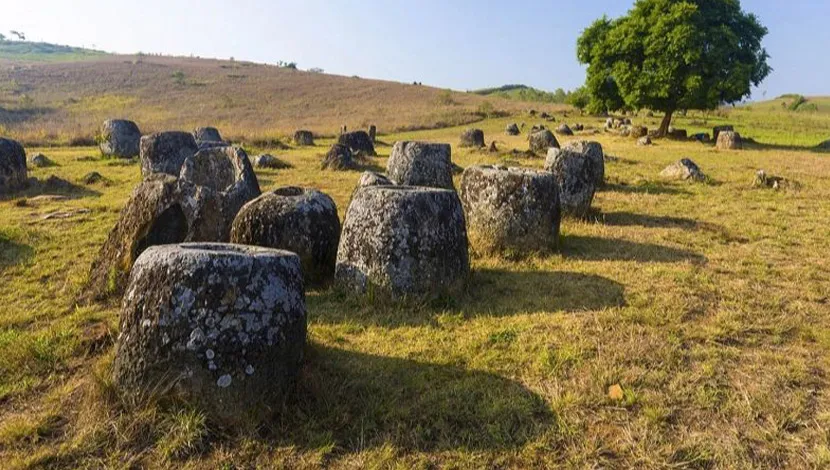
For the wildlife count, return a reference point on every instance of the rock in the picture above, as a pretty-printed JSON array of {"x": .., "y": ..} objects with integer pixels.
[
  {"x": 457, "y": 169},
  {"x": 609, "y": 123},
  {"x": 564, "y": 130},
  {"x": 92, "y": 178},
  {"x": 536, "y": 128},
  {"x": 343, "y": 129},
  {"x": 701, "y": 137},
  {"x": 403, "y": 240},
  {"x": 373, "y": 132},
  {"x": 358, "y": 141},
  {"x": 729, "y": 140},
  {"x": 493, "y": 148},
  {"x": 206, "y": 145},
  {"x": 593, "y": 152},
  {"x": 544, "y": 115},
  {"x": 625, "y": 131},
  {"x": 120, "y": 138},
  {"x": 678, "y": 134},
  {"x": 40, "y": 160},
  {"x": 763, "y": 180},
  {"x": 644, "y": 141},
  {"x": 299, "y": 220},
  {"x": 512, "y": 129},
  {"x": 514, "y": 209},
  {"x": 578, "y": 127},
  {"x": 221, "y": 327},
  {"x": 824, "y": 145},
  {"x": 207, "y": 134},
  {"x": 575, "y": 175},
  {"x": 303, "y": 138},
  {"x": 421, "y": 164},
  {"x": 626, "y": 121},
  {"x": 13, "y": 172},
  {"x": 639, "y": 131},
  {"x": 371, "y": 178},
  {"x": 269, "y": 161},
  {"x": 718, "y": 129},
  {"x": 541, "y": 141},
  {"x": 684, "y": 169},
  {"x": 339, "y": 158},
  {"x": 165, "y": 152},
  {"x": 531, "y": 112},
  {"x": 472, "y": 138}
]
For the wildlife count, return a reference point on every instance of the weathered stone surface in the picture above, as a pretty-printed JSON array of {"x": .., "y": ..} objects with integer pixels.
[
  {"x": 638, "y": 131},
  {"x": 764, "y": 180},
  {"x": 165, "y": 152},
  {"x": 684, "y": 169},
  {"x": 93, "y": 177},
  {"x": 609, "y": 123},
  {"x": 207, "y": 134},
  {"x": 120, "y": 138},
  {"x": 514, "y": 209},
  {"x": 541, "y": 141},
  {"x": 472, "y": 138},
  {"x": 267, "y": 160},
  {"x": 403, "y": 240},
  {"x": 575, "y": 175},
  {"x": 40, "y": 160},
  {"x": 13, "y": 172},
  {"x": 718, "y": 129},
  {"x": 421, "y": 164},
  {"x": 358, "y": 141},
  {"x": 219, "y": 326},
  {"x": 339, "y": 158},
  {"x": 678, "y": 134},
  {"x": 563, "y": 129},
  {"x": 373, "y": 133},
  {"x": 578, "y": 127},
  {"x": 370, "y": 178},
  {"x": 512, "y": 129},
  {"x": 824, "y": 145},
  {"x": 303, "y": 138},
  {"x": 301, "y": 220},
  {"x": 643, "y": 141},
  {"x": 593, "y": 152},
  {"x": 729, "y": 140}
]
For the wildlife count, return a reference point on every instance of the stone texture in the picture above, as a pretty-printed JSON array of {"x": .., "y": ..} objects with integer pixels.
[
  {"x": 227, "y": 171},
  {"x": 93, "y": 177},
  {"x": 824, "y": 145},
  {"x": 512, "y": 129},
  {"x": 221, "y": 327},
  {"x": 729, "y": 140},
  {"x": 269, "y": 161},
  {"x": 593, "y": 152},
  {"x": 718, "y": 129},
  {"x": 373, "y": 133},
  {"x": 542, "y": 140},
  {"x": 644, "y": 141},
  {"x": 638, "y": 131},
  {"x": 40, "y": 160},
  {"x": 358, "y": 142},
  {"x": 13, "y": 172},
  {"x": 300, "y": 220},
  {"x": 165, "y": 152},
  {"x": 678, "y": 134},
  {"x": 303, "y": 138},
  {"x": 339, "y": 158},
  {"x": 575, "y": 175},
  {"x": 403, "y": 240},
  {"x": 421, "y": 164},
  {"x": 514, "y": 209},
  {"x": 370, "y": 178},
  {"x": 207, "y": 134},
  {"x": 764, "y": 180},
  {"x": 120, "y": 138},
  {"x": 472, "y": 138},
  {"x": 684, "y": 169},
  {"x": 563, "y": 129}
]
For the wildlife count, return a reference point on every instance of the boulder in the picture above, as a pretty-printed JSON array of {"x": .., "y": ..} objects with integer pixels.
[
  {"x": 165, "y": 152},
  {"x": 339, "y": 158},
  {"x": 303, "y": 138},
  {"x": 512, "y": 129},
  {"x": 373, "y": 133},
  {"x": 824, "y": 145},
  {"x": 578, "y": 127},
  {"x": 643, "y": 141},
  {"x": 207, "y": 134},
  {"x": 593, "y": 152},
  {"x": 269, "y": 161},
  {"x": 358, "y": 142},
  {"x": 575, "y": 175},
  {"x": 563, "y": 129},
  {"x": 764, "y": 180},
  {"x": 678, "y": 134},
  {"x": 120, "y": 138},
  {"x": 40, "y": 160},
  {"x": 403, "y": 240},
  {"x": 536, "y": 128},
  {"x": 638, "y": 131},
  {"x": 472, "y": 138},
  {"x": 421, "y": 164},
  {"x": 684, "y": 169},
  {"x": 220, "y": 327},
  {"x": 93, "y": 178},
  {"x": 718, "y": 129},
  {"x": 544, "y": 115},
  {"x": 371, "y": 178},
  {"x": 515, "y": 209},
  {"x": 303, "y": 221},
  {"x": 729, "y": 140},
  {"x": 541, "y": 141},
  {"x": 610, "y": 123},
  {"x": 13, "y": 172},
  {"x": 625, "y": 131},
  {"x": 493, "y": 148}
]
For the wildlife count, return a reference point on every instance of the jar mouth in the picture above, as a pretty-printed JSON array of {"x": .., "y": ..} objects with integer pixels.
[{"x": 289, "y": 191}]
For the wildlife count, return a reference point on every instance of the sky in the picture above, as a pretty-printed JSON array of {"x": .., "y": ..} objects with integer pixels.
[{"x": 459, "y": 44}]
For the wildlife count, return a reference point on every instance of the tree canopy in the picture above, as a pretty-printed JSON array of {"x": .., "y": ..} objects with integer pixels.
[{"x": 670, "y": 55}]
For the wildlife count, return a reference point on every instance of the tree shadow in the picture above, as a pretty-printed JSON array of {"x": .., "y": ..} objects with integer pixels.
[
  {"x": 615, "y": 249},
  {"x": 750, "y": 144},
  {"x": 355, "y": 401},
  {"x": 13, "y": 253},
  {"x": 54, "y": 186},
  {"x": 627, "y": 219},
  {"x": 649, "y": 187}
]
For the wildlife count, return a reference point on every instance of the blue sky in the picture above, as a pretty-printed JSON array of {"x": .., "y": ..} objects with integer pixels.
[{"x": 458, "y": 44}]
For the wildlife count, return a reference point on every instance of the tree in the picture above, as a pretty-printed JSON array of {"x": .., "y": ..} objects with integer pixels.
[
  {"x": 2, "y": 37},
  {"x": 21, "y": 36},
  {"x": 670, "y": 55}
]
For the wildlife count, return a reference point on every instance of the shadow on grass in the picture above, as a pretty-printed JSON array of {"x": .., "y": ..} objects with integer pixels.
[
  {"x": 651, "y": 187},
  {"x": 749, "y": 144},
  {"x": 55, "y": 186},
  {"x": 626, "y": 219},
  {"x": 357, "y": 401},
  {"x": 13, "y": 253},
  {"x": 614, "y": 249}
]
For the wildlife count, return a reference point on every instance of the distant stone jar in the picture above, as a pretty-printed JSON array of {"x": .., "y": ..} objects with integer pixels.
[
  {"x": 339, "y": 158},
  {"x": 403, "y": 241},
  {"x": 576, "y": 176},
  {"x": 515, "y": 209},
  {"x": 120, "y": 138},
  {"x": 358, "y": 142},
  {"x": 165, "y": 152},
  {"x": 421, "y": 164},
  {"x": 472, "y": 138},
  {"x": 542, "y": 140},
  {"x": 729, "y": 140},
  {"x": 219, "y": 326},
  {"x": 300, "y": 220},
  {"x": 684, "y": 169},
  {"x": 207, "y": 134},
  {"x": 512, "y": 129},
  {"x": 303, "y": 138},
  {"x": 593, "y": 152},
  {"x": 13, "y": 172}
]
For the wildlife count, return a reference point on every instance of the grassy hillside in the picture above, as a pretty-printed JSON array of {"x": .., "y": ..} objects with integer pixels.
[
  {"x": 58, "y": 102},
  {"x": 44, "y": 52},
  {"x": 523, "y": 93}
]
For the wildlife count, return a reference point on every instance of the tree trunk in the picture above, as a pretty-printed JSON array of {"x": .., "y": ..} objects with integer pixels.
[{"x": 664, "y": 126}]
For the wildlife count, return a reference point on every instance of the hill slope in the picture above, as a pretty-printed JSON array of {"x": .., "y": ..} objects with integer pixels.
[
  {"x": 524, "y": 93},
  {"x": 53, "y": 102},
  {"x": 44, "y": 52}
]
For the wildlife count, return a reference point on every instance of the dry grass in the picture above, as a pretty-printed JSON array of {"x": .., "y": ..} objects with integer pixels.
[{"x": 706, "y": 303}]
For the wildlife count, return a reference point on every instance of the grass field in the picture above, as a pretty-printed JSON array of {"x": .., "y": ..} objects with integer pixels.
[{"x": 706, "y": 303}]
